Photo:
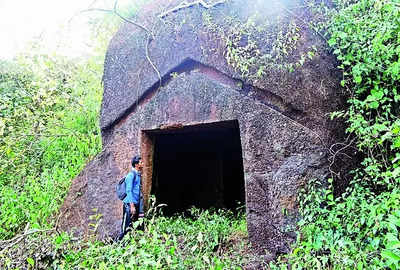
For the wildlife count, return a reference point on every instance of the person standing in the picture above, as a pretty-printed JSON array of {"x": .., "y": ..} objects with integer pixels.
[{"x": 132, "y": 207}]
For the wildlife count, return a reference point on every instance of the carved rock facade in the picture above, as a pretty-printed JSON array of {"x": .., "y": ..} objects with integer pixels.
[{"x": 281, "y": 115}]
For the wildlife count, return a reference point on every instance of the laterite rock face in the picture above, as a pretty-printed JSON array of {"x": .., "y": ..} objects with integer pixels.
[{"x": 218, "y": 64}]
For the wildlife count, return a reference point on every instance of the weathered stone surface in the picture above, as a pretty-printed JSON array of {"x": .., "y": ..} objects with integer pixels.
[
  {"x": 282, "y": 115},
  {"x": 185, "y": 35}
]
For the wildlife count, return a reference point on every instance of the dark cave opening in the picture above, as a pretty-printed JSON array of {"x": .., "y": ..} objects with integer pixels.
[{"x": 199, "y": 165}]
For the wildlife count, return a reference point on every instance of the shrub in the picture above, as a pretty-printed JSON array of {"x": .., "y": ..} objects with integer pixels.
[{"x": 359, "y": 229}]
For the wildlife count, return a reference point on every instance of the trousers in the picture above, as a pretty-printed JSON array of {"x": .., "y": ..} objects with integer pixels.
[{"x": 128, "y": 218}]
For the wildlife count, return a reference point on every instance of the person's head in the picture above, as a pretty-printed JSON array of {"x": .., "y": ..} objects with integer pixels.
[{"x": 137, "y": 162}]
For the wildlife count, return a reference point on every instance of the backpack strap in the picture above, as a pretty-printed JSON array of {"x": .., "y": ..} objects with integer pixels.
[{"x": 121, "y": 181}]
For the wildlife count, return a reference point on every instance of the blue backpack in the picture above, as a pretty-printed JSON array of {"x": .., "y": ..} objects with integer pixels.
[{"x": 121, "y": 189}]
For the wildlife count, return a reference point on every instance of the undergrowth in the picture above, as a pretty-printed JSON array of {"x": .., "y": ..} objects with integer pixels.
[
  {"x": 49, "y": 107},
  {"x": 360, "y": 228},
  {"x": 49, "y": 129},
  {"x": 49, "y": 126},
  {"x": 206, "y": 240}
]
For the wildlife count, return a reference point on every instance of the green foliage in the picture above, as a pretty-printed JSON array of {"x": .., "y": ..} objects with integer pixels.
[
  {"x": 353, "y": 231},
  {"x": 49, "y": 127},
  {"x": 169, "y": 243},
  {"x": 252, "y": 48},
  {"x": 206, "y": 240},
  {"x": 49, "y": 108},
  {"x": 360, "y": 229}
]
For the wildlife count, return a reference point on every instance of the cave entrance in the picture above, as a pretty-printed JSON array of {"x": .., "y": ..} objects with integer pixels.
[{"x": 198, "y": 165}]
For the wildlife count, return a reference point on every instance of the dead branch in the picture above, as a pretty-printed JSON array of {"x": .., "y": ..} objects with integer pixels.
[
  {"x": 334, "y": 154},
  {"x": 129, "y": 21},
  {"x": 149, "y": 38},
  {"x": 186, "y": 4},
  {"x": 58, "y": 220},
  {"x": 43, "y": 135},
  {"x": 115, "y": 11},
  {"x": 20, "y": 237}
]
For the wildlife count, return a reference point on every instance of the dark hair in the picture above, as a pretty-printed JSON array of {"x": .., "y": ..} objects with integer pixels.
[{"x": 135, "y": 160}]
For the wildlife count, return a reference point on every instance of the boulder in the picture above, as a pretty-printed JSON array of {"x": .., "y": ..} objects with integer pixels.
[{"x": 238, "y": 63}]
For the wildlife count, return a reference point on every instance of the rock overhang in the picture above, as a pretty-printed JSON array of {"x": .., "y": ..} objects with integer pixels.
[{"x": 187, "y": 34}]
